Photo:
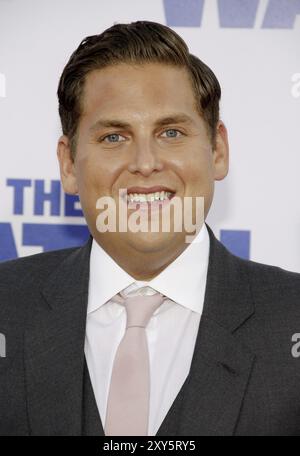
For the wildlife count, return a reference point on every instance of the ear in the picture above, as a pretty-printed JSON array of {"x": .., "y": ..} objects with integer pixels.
[
  {"x": 221, "y": 152},
  {"x": 66, "y": 166}
]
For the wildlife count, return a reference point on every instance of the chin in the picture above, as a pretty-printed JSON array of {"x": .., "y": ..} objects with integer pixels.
[{"x": 150, "y": 242}]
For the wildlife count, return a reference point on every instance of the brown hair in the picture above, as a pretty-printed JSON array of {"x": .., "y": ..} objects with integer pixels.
[{"x": 138, "y": 42}]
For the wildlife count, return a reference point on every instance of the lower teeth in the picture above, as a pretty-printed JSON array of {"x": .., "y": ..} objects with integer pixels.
[{"x": 155, "y": 201}]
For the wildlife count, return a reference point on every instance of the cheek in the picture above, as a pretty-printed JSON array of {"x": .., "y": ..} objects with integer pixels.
[
  {"x": 198, "y": 173},
  {"x": 93, "y": 177}
]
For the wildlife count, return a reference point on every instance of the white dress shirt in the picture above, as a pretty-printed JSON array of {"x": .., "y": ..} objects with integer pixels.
[{"x": 171, "y": 331}]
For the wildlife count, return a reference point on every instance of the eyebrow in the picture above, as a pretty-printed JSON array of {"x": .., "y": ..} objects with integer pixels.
[{"x": 115, "y": 123}]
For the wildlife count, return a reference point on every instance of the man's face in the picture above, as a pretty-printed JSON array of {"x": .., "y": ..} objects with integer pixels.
[{"x": 140, "y": 127}]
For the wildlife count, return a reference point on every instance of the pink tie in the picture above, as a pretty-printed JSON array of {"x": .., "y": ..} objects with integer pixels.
[{"x": 127, "y": 411}]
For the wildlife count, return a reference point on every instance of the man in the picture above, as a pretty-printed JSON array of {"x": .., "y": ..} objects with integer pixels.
[{"x": 217, "y": 353}]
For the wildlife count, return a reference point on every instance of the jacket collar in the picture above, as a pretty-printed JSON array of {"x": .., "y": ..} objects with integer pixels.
[
  {"x": 54, "y": 348},
  {"x": 228, "y": 299}
]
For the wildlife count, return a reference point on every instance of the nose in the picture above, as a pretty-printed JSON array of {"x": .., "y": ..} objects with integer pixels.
[{"x": 145, "y": 157}]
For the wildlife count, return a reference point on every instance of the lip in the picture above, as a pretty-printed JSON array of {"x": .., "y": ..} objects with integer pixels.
[
  {"x": 145, "y": 205},
  {"x": 146, "y": 190}
]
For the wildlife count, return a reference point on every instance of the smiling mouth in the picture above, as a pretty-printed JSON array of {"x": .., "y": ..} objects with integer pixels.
[
  {"x": 147, "y": 196},
  {"x": 148, "y": 199}
]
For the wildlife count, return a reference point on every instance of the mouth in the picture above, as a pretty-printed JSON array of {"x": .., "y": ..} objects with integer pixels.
[{"x": 145, "y": 197}]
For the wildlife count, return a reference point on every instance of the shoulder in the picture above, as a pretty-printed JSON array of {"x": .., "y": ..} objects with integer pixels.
[
  {"x": 261, "y": 276},
  {"x": 274, "y": 290},
  {"x": 267, "y": 276},
  {"x": 21, "y": 278},
  {"x": 32, "y": 267}
]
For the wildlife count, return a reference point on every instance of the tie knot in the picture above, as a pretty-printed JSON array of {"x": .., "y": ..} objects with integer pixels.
[{"x": 139, "y": 309}]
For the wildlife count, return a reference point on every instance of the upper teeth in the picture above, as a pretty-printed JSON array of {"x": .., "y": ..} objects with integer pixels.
[{"x": 142, "y": 197}]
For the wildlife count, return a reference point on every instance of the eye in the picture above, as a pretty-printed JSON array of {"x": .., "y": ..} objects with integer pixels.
[
  {"x": 113, "y": 138},
  {"x": 172, "y": 133}
]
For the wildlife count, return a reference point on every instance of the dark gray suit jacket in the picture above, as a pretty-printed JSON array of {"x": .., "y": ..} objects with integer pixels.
[{"x": 243, "y": 379}]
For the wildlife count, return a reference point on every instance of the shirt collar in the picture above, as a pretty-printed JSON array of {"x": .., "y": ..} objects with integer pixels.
[{"x": 183, "y": 280}]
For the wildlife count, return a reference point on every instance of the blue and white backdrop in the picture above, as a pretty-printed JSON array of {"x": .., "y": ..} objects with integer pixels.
[{"x": 253, "y": 46}]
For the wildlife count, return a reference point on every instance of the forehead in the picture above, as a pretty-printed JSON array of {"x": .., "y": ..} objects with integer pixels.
[{"x": 124, "y": 87}]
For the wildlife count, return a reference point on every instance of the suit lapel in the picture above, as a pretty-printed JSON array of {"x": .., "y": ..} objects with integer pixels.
[
  {"x": 54, "y": 349},
  {"x": 210, "y": 399}
]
